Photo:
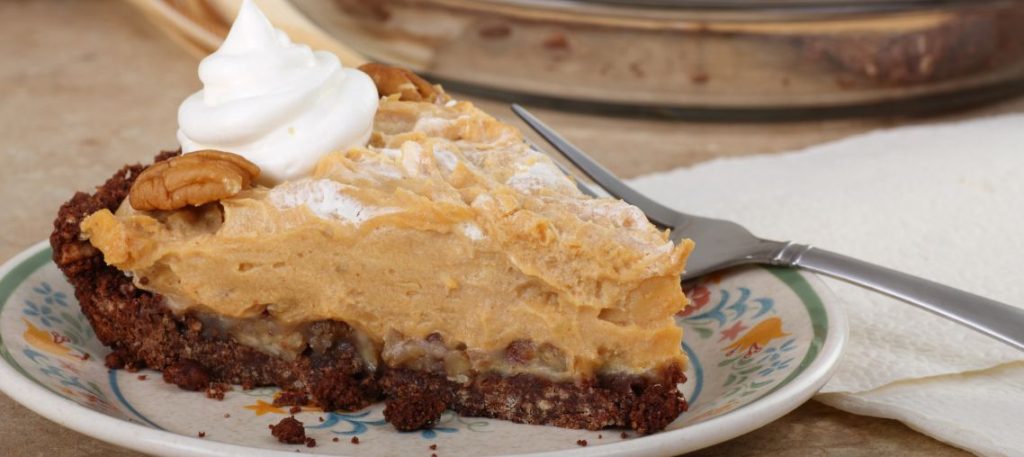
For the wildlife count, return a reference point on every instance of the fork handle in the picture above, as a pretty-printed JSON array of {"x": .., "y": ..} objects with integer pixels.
[{"x": 998, "y": 320}]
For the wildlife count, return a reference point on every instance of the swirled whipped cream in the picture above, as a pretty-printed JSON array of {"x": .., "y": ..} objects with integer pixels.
[{"x": 279, "y": 104}]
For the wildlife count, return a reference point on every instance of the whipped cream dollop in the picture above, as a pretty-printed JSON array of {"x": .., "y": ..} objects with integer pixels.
[{"x": 279, "y": 104}]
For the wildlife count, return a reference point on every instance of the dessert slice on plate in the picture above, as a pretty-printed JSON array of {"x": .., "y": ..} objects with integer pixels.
[{"x": 351, "y": 247}]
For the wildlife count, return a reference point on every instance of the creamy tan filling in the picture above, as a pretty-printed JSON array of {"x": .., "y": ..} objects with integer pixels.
[{"x": 447, "y": 224}]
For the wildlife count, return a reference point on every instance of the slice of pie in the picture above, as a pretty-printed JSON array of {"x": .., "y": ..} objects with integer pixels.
[{"x": 443, "y": 265}]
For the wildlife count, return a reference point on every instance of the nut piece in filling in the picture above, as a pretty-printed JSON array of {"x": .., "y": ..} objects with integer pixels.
[
  {"x": 407, "y": 85},
  {"x": 441, "y": 264}
]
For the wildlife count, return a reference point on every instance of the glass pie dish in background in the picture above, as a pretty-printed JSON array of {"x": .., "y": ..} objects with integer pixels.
[{"x": 710, "y": 59}]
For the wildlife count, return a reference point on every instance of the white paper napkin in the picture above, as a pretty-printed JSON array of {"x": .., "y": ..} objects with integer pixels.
[{"x": 945, "y": 202}]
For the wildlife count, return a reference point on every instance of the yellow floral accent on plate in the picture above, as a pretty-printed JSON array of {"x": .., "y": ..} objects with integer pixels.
[
  {"x": 758, "y": 337},
  {"x": 43, "y": 340},
  {"x": 261, "y": 407}
]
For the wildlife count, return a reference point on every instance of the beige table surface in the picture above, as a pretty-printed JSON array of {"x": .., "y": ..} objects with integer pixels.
[{"x": 87, "y": 86}]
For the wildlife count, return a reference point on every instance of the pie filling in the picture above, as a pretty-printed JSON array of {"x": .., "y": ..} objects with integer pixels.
[{"x": 445, "y": 245}]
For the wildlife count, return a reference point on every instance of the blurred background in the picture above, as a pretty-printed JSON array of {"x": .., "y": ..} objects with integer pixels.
[
  {"x": 693, "y": 59},
  {"x": 673, "y": 82}
]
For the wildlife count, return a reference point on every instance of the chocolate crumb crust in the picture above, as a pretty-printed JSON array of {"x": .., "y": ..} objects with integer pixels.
[
  {"x": 289, "y": 430},
  {"x": 187, "y": 374},
  {"x": 142, "y": 332}
]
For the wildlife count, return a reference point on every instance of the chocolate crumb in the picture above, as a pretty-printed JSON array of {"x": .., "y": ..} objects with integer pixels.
[
  {"x": 141, "y": 377},
  {"x": 433, "y": 447},
  {"x": 289, "y": 431},
  {"x": 310, "y": 442},
  {"x": 335, "y": 439},
  {"x": 187, "y": 374},
  {"x": 581, "y": 443},
  {"x": 114, "y": 361},
  {"x": 295, "y": 409},
  {"x": 321, "y": 418},
  {"x": 599, "y": 436},
  {"x": 624, "y": 435},
  {"x": 227, "y": 415},
  {"x": 699, "y": 78},
  {"x": 202, "y": 434},
  {"x": 355, "y": 440},
  {"x": 433, "y": 454},
  {"x": 216, "y": 390},
  {"x": 86, "y": 356}
]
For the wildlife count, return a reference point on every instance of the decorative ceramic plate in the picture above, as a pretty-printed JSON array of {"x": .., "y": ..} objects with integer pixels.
[{"x": 760, "y": 341}]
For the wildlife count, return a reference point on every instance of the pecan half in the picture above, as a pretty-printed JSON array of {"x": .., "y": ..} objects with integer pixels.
[
  {"x": 408, "y": 85},
  {"x": 192, "y": 179}
]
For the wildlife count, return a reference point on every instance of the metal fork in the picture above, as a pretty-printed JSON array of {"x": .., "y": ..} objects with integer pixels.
[{"x": 722, "y": 244}]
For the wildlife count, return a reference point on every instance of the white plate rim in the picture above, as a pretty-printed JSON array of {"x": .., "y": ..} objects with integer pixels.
[{"x": 697, "y": 436}]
